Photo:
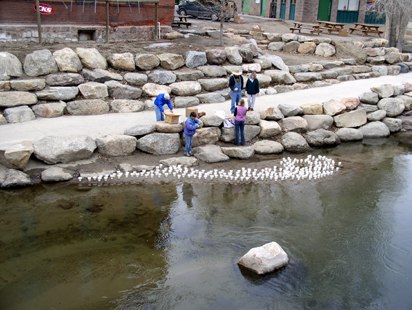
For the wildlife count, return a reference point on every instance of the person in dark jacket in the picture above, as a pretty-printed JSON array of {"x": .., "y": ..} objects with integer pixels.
[
  {"x": 159, "y": 102},
  {"x": 236, "y": 86},
  {"x": 252, "y": 90},
  {"x": 192, "y": 123},
  {"x": 240, "y": 117}
]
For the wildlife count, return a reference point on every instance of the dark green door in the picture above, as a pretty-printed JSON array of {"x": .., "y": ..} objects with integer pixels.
[
  {"x": 283, "y": 9},
  {"x": 324, "y": 10}
]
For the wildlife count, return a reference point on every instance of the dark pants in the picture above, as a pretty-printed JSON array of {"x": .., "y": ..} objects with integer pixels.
[{"x": 240, "y": 125}]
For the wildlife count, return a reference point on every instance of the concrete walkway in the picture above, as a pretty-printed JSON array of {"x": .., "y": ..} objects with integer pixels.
[{"x": 115, "y": 123}]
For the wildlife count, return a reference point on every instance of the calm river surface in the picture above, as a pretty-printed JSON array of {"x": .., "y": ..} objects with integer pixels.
[{"x": 175, "y": 245}]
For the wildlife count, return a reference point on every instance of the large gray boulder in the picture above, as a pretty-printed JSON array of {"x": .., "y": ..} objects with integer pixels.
[
  {"x": 93, "y": 90},
  {"x": 186, "y": 88},
  {"x": 91, "y": 58},
  {"x": 26, "y": 85},
  {"x": 315, "y": 108},
  {"x": 162, "y": 126},
  {"x": 214, "y": 97},
  {"x": 319, "y": 121},
  {"x": 159, "y": 143},
  {"x": 53, "y": 149},
  {"x": 16, "y": 98},
  {"x": 147, "y": 61},
  {"x": 269, "y": 129},
  {"x": 351, "y": 119},
  {"x": 289, "y": 109},
  {"x": 369, "y": 97},
  {"x": 406, "y": 122},
  {"x": 214, "y": 84},
  {"x": 136, "y": 79},
  {"x": 252, "y": 118},
  {"x": 394, "y": 124},
  {"x": 87, "y": 107},
  {"x": 64, "y": 79},
  {"x": 268, "y": 147},
  {"x": 376, "y": 116},
  {"x": 333, "y": 107},
  {"x": 229, "y": 134},
  {"x": 195, "y": 59},
  {"x": 276, "y": 61},
  {"x": 127, "y": 106},
  {"x": 383, "y": 90},
  {"x": 308, "y": 76},
  {"x": 264, "y": 63},
  {"x": 392, "y": 106},
  {"x": 233, "y": 55},
  {"x": 17, "y": 155},
  {"x": 380, "y": 70},
  {"x": 39, "y": 63},
  {"x": 294, "y": 142},
  {"x": 349, "y": 134},
  {"x": 101, "y": 75},
  {"x": 140, "y": 130},
  {"x": 215, "y": 56},
  {"x": 56, "y": 174},
  {"x": 204, "y": 136},
  {"x": 171, "y": 61},
  {"x": 325, "y": 50},
  {"x": 294, "y": 123},
  {"x": 322, "y": 137},
  {"x": 186, "y": 74},
  {"x": 67, "y": 60},
  {"x": 153, "y": 90},
  {"x": 19, "y": 114},
  {"x": 276, "y": 115},
  {"x": 183, "y": 161},
  {"x": 49, "y": 110},
  {"x": 276, "y": 46},
  {"x": 213, "y": 71},
  {"x": 210, "y": 154},
  {"x": 58, "y": 93},
  {"x": 243, "y": 152},
  {"x": 10, "y": 66},
  {"x": 120, "y": 91},
  {"x": 368, "y": 108},
  {"x": 211, "y": 121},
  {"x": 116, "y": 145},
  {"x": 350, "y": 50},
  {"x": 16, "y": 178},
  {"x": 122, "y": 61},
  {"x": 4, "y": 86},
  {"x": 162, "y": 77},
  {"x": 281, "y": 77},
  {"x": 185, "y": 102},
  {"x": 375, "y": 130}
]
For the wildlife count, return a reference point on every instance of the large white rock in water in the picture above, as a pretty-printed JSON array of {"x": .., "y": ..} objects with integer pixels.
[{"x": 265, "y": 259}]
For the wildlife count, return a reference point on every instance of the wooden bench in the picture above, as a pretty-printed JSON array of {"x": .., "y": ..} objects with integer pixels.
[
  {"x": 311, "y": 27},
  {"x": 331, "y": 26}
]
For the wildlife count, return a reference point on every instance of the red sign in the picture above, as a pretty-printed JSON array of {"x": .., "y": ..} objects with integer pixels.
[{"x": 44, "y": 9}]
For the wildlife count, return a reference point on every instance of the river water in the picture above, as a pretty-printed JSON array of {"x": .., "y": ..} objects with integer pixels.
[{"x": 175, "y": 245}]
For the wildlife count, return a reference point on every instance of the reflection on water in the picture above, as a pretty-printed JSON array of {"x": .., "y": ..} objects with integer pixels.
[{"x": 175, "y": 246}]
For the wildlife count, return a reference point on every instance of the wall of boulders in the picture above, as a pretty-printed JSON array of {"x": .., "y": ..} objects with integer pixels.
[{"x": 384, "y": 110}]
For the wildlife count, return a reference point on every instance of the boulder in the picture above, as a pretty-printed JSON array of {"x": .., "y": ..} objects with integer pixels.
[
  {"x": 213, "y": 71},
  {"x": 100, "y": 75},
  {"x": 289, "y": 109},
  {"x": 369, "y": 97},
  {"x": 204, "y": 136},
  {"x": 288, "y": 37},
  {"x": 195, "y": 59},
  {"x": 140, "y": 130},
  {"x": 91, "y": 58},
  {"x": 242, "y": 152},
  {"x": 147, "y": 61},
  {"x": 368, "y": 108},
  {"x": 186, "y": 88},
  {"x": 273, "y": 37},
  {"x": 253, "y": 67},
  {"x": 210, "y": 154},
  {"x": 333, "y": 107},
  {"x": 53, "y": 149},
  {"x": 351, "y": 119},
  {"x": 329, "y": 74},
  {"x": 154, "y": 90},
  {"x": 39, "y": 63},
  {"x": 19, "y": 114},
  {"x": 280, "y": 77},
  {"x": 64, "y": 79},
  {"x": 136, "y": 79},
  {"x": 350, "y": 103},
  {"x": 49, "y": 110},
  {"x": 375, "y": 130},
  {"x": 308, "y": 76},
  {"x": 183, "y": 161},
  {"x": 276, "y": 46},
  {"x": 162, "y": 77},
  {"x": 315, "y": 108},
  {"x": 264, "y": 80},
  {"x": 187, "y": 74},
  {"x": 10, "y": 66},
  {"x": 276, "y": 115},
  {"x": 214, "y": 84},
  {"x": 268, "y": 147},
  {"x": 294, "y": 142},
  {"x": 376, "y": 116},
  {"x": 252, "y": 118},
  {"x": 17, "y": 155},
  {"x": 380, "y": 70},
  {"x": 407, "y": 101},
  {"x": 122, "y": 61},
  {"x": 121, "y": 91},
  {"x": 291, "y": 47},
  {"x": 350, "y": 50},
  {"x": 252, "y": 47},
  {"x": 16, "y": 98},
  {"x": 376, "y": 60},
  {"x": 407, "y": 86},
  {"x": 58, "y": 93},
  {"x": 403, "y": 137},
  {"x": 321, "y": 84},
  {"x": 164, "y": 127},
  {"x": 394, "y": 124},
  {"x": 392, "y": 58},
  {"x": 16, "y": 178},
  {"x": 398, "y": 89},
  {"x": 269, "y": 129},
  {"x": 233, "y": 55},
  {"x": 26, "y": 85},
  {"x": 211, "y": 120},
  {"x": 4, "y": 86},
  {"x": 325, "y": 50},
  {"x": 211, "y": 98},
  {"x": 394, "y": 70},
  {"x": 93, "y": 90},
  {"x": 319, "y": 122},
  {"x": 185, "y": 102},
  {"x": 215, "y": 56},
  {"x": 229, "y": 135},
  {"x": 322, "y": 137},
  {"x": 231, "y": 69},
  {"x": 298, "y": 68},
  {"x": 171, "y": 61},
  {"x": 406, "y": 122},
  {"x": 392, "y": 106},
  {"x": 294, "y": 123},
  {"x": 349, "y": 134},
  {"x": 307, "y": 48},
  {"x": 56, "y": 174},
  {"x": 127, "y": 106},
  {"x": 67, "y": 60},
  {"x": 87, "y": 107},
  {"x": 159, "y": 143},
  {"x": 383, "y": 90},
  {"x": 276, "y": 61},
  {"x": 116, "y": 145}
]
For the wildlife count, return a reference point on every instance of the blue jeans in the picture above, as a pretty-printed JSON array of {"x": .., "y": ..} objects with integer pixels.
[
  {"x": 240, "y": 125},
  {"x": 159, "y": 114},
  {"x": 236, "y": 96},
  {"x": 188, "y": 145}
]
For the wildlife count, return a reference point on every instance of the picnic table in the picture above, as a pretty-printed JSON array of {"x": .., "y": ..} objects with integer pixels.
[
  {"x": 298, "y": 26},
  {"x": 182, "y": 21},
  {"x": 366, "y": 29},
  {"x": 331, "y": 26}
]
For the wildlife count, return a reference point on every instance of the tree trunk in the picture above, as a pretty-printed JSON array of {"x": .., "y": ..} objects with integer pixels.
[
  {"x": 392, "y": 34},
  {"x": 403, "y": 25}
]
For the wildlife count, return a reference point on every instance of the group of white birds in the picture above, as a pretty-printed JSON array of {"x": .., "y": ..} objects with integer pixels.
[{"x": 310, "y": 168}]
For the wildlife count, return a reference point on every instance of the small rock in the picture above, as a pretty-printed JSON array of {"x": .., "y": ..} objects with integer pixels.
[
  {"x": 56, "y": 174},
  {"x": 16, "y": 178}
]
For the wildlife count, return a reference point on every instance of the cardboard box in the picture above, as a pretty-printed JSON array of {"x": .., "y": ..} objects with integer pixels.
[
  {"x": 172, "y": 118},
  {"x": 343, "y": 32},
  {"x": 238, "y": 20},
  {"x": 190, "y": 110}
]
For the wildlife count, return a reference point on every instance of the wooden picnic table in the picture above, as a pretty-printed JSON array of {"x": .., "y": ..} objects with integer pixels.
[
  {"x": 182, "y": 21},
  {"x": 366, "y": 29},
  {"x": 298, "y": 26},
  {"x": 331, "y": 26}
]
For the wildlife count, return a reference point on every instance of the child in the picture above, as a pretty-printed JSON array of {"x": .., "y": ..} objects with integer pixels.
[
  {"x": 192, "y": 123},
  {"x": 252, "y": 89},
  {"x": 240, "y": 116}
]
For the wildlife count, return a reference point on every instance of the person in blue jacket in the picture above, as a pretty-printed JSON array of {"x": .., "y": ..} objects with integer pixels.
[
  {"x": 236, "y": 86},
  {"x": 160, "y": 101},
  {"x": 192, "y": 123},
  {"x": 252, "y": 90}
]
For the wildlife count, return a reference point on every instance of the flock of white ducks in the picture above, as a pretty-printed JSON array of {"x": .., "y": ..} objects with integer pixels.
[{"x": 310, "y": 168}]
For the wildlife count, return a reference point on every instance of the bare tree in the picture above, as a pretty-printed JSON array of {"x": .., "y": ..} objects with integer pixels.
[{"x": 398, "y": 13}]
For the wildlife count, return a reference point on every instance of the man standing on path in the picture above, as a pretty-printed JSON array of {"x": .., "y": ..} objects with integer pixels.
[
  {"x": 160, "y": 101},
  {"x": 236, "y": 86}
]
